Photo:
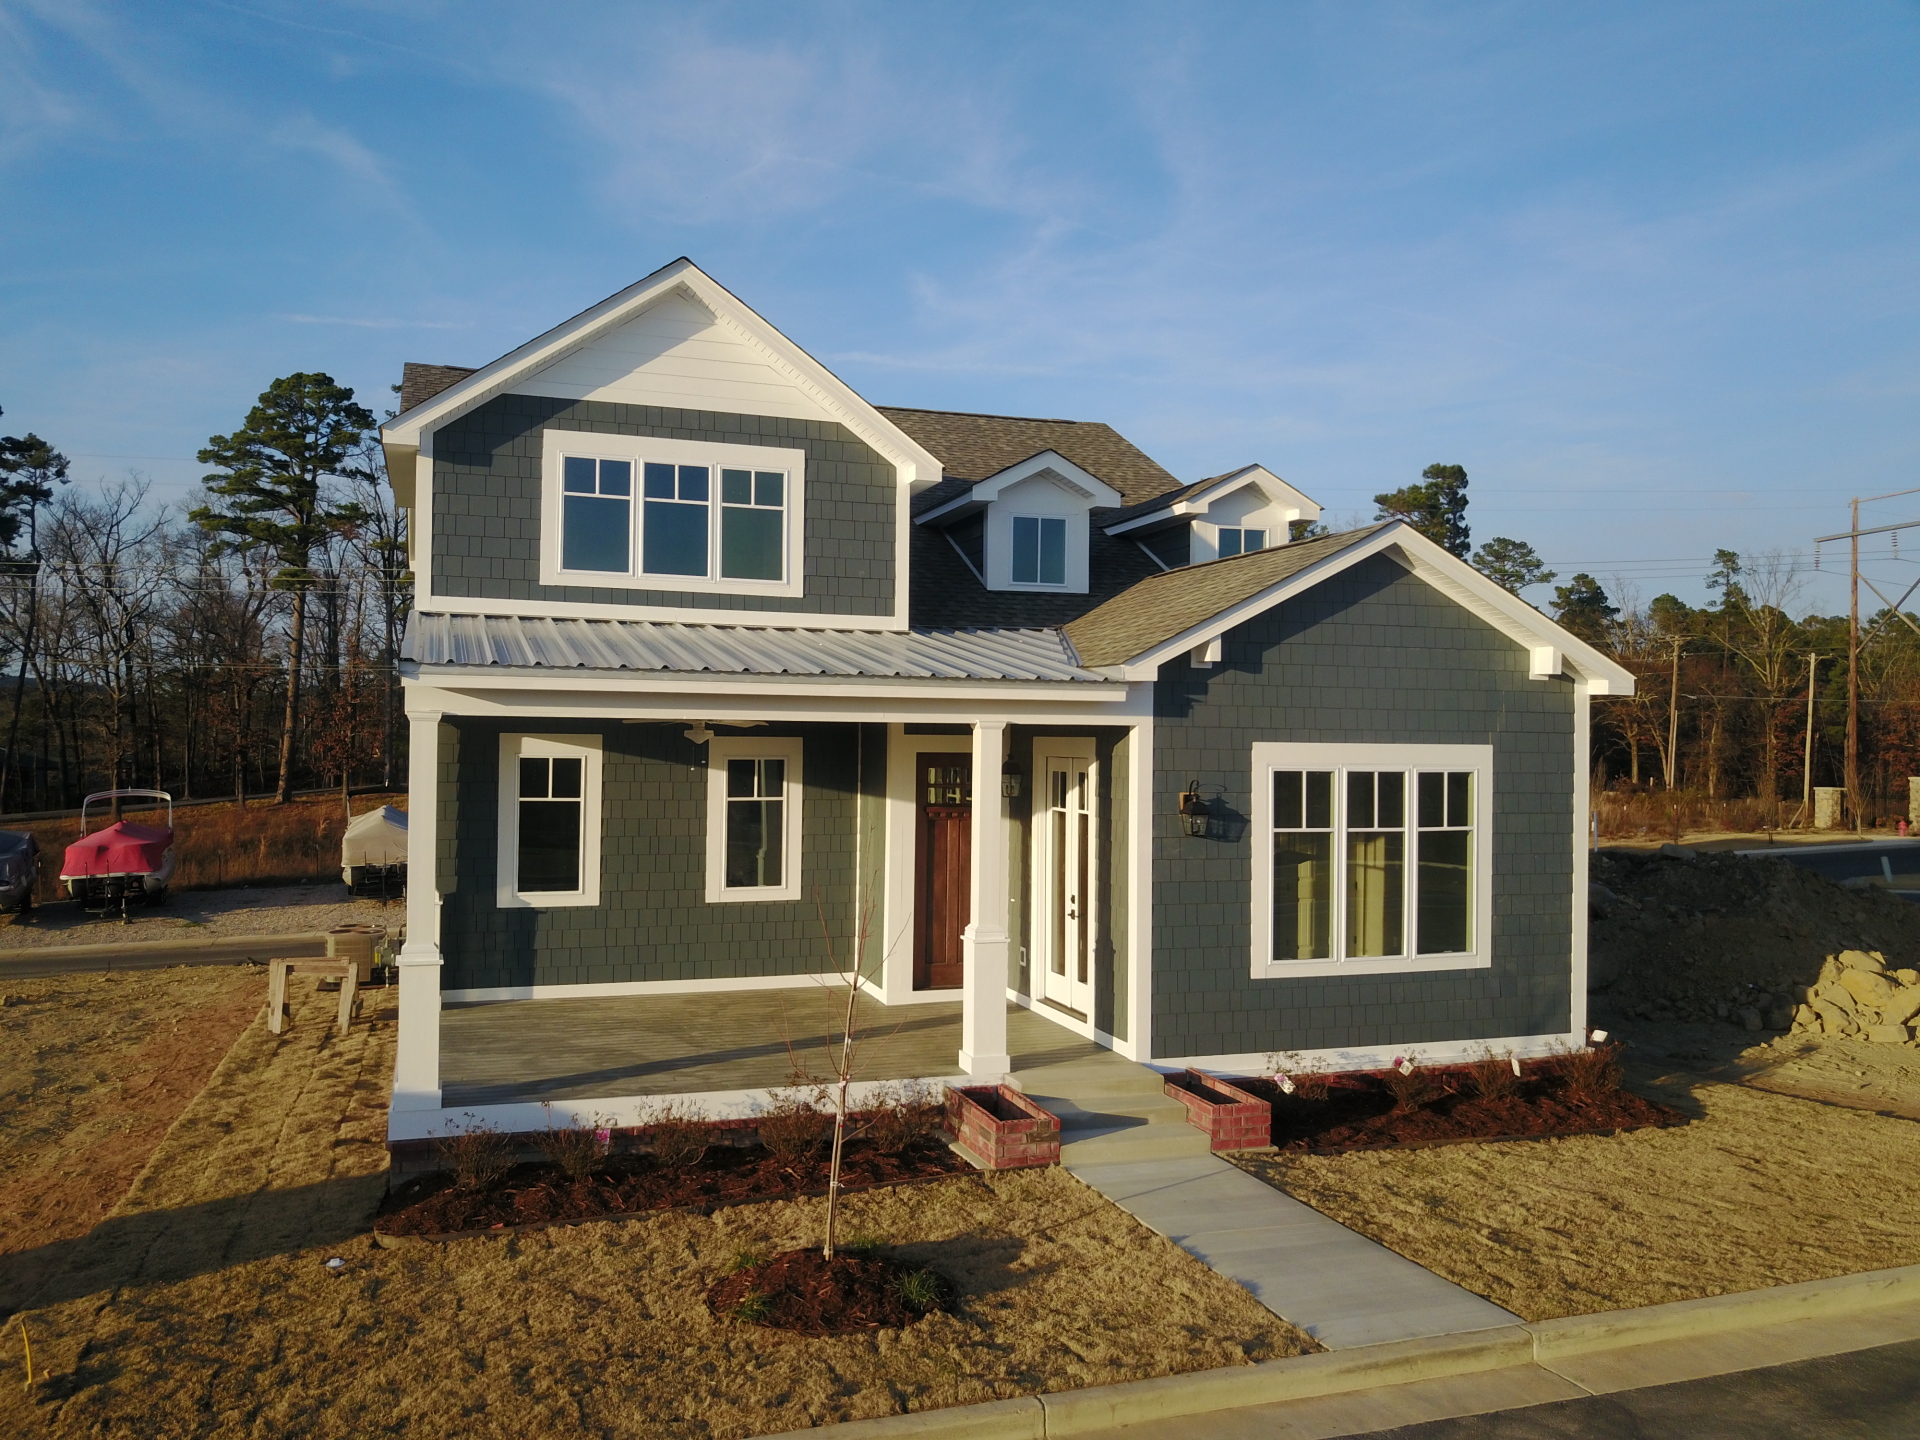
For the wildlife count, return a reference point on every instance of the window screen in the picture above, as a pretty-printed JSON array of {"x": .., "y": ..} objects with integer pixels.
[
  {"x": 549, "y": 829},
  {"x": 596, "y": 520},
  {"x": 1039, "y": 550}
]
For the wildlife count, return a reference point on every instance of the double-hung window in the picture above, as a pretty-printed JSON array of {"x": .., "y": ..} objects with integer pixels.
[
  {"x": 1237, "y": 541},
  {"x": 753, "y": 819},
  {"x": 1371, "y": 858},
  {"x": 1039, "y": 550},
  {"x": 549, "y": 829},
  {"x": 671, "y": 515}
]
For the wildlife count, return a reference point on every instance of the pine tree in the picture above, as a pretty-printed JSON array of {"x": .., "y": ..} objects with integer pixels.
[{"x": 1437, "y": 509}]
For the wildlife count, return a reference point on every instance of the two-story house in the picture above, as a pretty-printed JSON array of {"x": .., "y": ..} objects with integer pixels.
[{"x": 712, "y": 660}]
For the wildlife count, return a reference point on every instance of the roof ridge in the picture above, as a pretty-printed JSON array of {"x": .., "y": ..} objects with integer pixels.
[{"x": 989, "y": 415}]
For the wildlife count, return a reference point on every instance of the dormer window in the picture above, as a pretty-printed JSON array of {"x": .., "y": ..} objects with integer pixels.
[
  {"x": 705, "y": 517},
  {"x": 1039, "y": 550},
  {"x": 1241, "y": 541}
]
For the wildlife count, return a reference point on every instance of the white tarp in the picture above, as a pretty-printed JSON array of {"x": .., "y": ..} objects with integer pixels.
[{"x": 378, "y": 837}]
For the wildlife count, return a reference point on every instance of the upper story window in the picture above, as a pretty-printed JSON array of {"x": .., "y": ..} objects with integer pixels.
[
  {"x": 1240, "y": 541},
  {"x": 717, "y": 517},
  {"x": 1039, "y": 550},
  {"x": 1371, "y": 858}
]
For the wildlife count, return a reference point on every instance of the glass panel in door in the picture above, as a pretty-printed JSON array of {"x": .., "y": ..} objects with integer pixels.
[{"x": 1067, "y": 871}]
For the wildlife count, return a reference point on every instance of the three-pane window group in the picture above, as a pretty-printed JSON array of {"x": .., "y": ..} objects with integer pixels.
[
  {"x": 679, "y": 526},
  {"x": 1351, "y": 867}
]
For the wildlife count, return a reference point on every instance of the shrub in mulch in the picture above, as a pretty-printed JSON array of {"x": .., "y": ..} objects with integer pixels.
[
  {"x": 690, "y": 1175},
  {"x": 802, "y": 1290},
  {"x": 1574, "y": 1094}
]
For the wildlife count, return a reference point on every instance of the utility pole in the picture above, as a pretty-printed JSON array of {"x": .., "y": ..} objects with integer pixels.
[
  {"x": 1806, "y": 768},
  {"x": 1673, "y": 715},
  {"x": 1854, "y": 645}
]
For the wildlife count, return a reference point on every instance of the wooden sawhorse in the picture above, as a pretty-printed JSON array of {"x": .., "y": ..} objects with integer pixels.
[{"x": 278, "y": 970}]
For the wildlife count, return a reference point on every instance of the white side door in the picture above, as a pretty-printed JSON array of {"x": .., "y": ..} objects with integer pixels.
[{"x": 1066, "y": 869}]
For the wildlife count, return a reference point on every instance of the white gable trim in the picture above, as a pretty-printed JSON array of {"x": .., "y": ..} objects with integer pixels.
[
  {"x": 1451, "y": 576},
  {"x": 915, "y": 464},
  {"x": 1097, "y": 494},
  {"x": 1279, "y": 494}
]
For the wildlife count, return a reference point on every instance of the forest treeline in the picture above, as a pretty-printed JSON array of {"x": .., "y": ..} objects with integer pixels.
[{"x": 240, "y": 645}]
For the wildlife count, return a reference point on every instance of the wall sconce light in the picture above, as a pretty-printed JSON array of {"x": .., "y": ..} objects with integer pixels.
[
  {"x": 1194, "y": 812},
  {"x": 1010, "y": 779}
]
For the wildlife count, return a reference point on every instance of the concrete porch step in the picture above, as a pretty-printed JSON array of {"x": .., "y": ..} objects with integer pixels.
[
  {"x": 1104, "y": 1112},
  {"x": 1130, "y": 1144}
]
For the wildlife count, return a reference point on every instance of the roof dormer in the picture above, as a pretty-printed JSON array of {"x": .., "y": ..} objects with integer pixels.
[
  {"x": 1027, "y": 527},
  {"x": 1244, "y": 510}
]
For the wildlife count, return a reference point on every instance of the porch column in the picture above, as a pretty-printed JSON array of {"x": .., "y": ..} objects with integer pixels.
[
  {"x": 416, "y": 1068},
  {"x": 985, "y": 942}
]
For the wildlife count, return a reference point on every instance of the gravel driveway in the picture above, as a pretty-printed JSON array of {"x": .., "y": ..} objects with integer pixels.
[{"x": 243, "y": 910}]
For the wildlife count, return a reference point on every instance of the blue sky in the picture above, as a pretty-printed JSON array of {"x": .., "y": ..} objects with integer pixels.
[{"x": 1647, "y": 270}]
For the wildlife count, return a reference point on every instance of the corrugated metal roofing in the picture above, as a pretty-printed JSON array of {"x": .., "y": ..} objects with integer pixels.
[{"x": 544, "y": 643}]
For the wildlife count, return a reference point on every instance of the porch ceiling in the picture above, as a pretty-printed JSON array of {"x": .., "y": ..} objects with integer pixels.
[
  {"x": 532, "y": 1050},
  {"x": 539, "y": 642}
]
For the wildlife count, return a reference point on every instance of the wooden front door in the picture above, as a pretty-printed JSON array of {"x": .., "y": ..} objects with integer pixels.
[{"x": 943, "y": 854}]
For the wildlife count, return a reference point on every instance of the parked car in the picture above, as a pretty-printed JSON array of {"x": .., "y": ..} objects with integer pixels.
[{"x": 19, "y": 869}]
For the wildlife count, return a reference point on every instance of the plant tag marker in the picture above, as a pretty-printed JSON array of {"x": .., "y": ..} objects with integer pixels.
[
  {"x": 336, "y": 1263},
  {"x": 1286, "y": 1085},
  {"x": 1516, "y": 1064},
  {"x": 1406, "y": 1067},
  {"x": 1599, "y": 1037}
]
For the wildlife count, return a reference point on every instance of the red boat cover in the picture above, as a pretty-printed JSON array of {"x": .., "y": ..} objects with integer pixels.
[{"x": 123, "y": 849}]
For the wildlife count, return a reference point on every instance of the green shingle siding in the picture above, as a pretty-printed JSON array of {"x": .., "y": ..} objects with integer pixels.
[
  {"x": 486, "y": 505},
  {"x": 653, "y": 921},
  {"x": 1372, "y": 655}
]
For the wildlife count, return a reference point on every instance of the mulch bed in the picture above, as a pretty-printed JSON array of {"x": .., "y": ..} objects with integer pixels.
[
  {"x": 804, "y": 1291},
  {"x": 542, "y": 1194},
  {"x": 1360, "y": 1112}
]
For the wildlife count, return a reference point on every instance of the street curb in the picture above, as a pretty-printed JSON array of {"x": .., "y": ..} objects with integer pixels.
[
  {"x": 39, "y": 954},
  {"x": 1365, "y": 1367}
]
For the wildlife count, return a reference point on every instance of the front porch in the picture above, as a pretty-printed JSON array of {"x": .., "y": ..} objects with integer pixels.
[{"x": 517, "y": 1052}]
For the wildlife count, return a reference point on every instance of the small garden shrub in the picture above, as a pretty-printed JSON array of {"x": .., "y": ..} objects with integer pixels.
[
  {"x": 1493, "y": 1075},
  {"x": 1593, "y": 1074},
  {"x": 746, "y": 1260},
  {"x": 1309, "y": 1082},
  {"x": 677, "y": 1139},
  {"x": 906, "y": 1117},
  {"x": 576, "y": 1151},
  {"x": 923, "y": 1290},
  {"x": 477, "y": 1156},
  {"x": 754, "y": 1307},
  {"x": 794, "y": 1127},
  {"x": 1412, "y": 1088}
]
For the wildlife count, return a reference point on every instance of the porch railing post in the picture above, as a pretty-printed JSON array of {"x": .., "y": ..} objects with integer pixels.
[
  {"x": 986, "y": 943},
  {"x": 416, "y": 1069}
]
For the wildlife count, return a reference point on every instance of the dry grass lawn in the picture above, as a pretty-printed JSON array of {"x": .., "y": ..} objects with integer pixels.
[
  {"x": 204, "y": 1307},
  {"x": 1763, "y": 1189}
]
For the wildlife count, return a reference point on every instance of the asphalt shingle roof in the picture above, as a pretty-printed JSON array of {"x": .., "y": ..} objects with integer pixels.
[
  {"x": 1161, "y": 606},
  {"x": 944, "y": 590},
  {"x": 972, "y": 447},
  {"x": 420, "y": 383}
]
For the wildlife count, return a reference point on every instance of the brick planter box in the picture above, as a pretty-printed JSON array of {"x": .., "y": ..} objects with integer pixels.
[
  {"x": 998, "y": 1128},
  {"x": 1233, "y": 1119}
]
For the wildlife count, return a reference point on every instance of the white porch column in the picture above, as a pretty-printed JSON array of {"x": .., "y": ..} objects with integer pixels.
[
  {"x": 985, "y": 942},
  {"x": 416, "y": 1068}
]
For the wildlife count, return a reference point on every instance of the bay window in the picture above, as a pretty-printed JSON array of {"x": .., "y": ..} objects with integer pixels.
[{"x": 1370, "y": 857}]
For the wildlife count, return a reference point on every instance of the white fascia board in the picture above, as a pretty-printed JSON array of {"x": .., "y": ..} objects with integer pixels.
[
  {"x": 1098, "y": 494},
  {"x": 654, "y": 682},
  {"x": 663, "y": 614},
  {"x": 1453, "y": 577},
  {"x": 400, "y": 471},
  {"x": 1277, "y": 491},
  {"x": 917, "y": 467}
]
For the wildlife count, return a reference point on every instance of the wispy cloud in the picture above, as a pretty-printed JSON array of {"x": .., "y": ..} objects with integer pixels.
[{"x": 374, "y": 323}]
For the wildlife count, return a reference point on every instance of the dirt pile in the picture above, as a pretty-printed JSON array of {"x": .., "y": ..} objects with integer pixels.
[
  {"x": 1685, "y": 935},
  {"x": 1857, "y": 995}
]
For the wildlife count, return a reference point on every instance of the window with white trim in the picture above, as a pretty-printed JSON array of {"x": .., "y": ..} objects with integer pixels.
[
  {"x": 1370, "y": 857},
  {"x": 1240, "y": 541},
  {"x": 753, "y": 819},
  {"x": 1039, "y": 550},
  {"x": 644, "y": 513},
  {"x": 549, "y": 822}
]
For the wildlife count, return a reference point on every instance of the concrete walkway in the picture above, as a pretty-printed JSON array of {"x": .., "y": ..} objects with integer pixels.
[{"x": 1123, "y": 1135}]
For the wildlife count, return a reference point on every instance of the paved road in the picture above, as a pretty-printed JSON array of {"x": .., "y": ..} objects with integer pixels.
[
  {"x": 33, "y": 964},
  {"x": 1861, "y": 1395}
]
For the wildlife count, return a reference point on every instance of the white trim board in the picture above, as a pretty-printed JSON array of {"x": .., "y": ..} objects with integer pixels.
[
  {"x": 489, "y": 994},
  {"x": 1374, "y": 1057}
]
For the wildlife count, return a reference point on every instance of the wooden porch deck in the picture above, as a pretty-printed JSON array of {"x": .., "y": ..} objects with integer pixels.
[{"x": 509, "y": 1051}]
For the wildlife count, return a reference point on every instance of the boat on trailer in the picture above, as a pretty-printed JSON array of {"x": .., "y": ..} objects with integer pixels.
[{"x": 124, "y": 863}]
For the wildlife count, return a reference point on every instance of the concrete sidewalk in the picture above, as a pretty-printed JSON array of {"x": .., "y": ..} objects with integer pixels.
[{"x": 1340, "y": 1287}]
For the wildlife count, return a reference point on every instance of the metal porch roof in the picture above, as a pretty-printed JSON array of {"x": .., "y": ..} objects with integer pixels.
[{"x": 530, "y": 642}]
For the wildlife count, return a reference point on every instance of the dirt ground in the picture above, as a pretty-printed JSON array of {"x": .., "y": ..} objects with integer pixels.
[
  {"x": 204, "y": 1305},
  {"x": 93, "y": 1071},
  {"x": 1761, "y": 1189},
  {"x": 211, "y": 914}
]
